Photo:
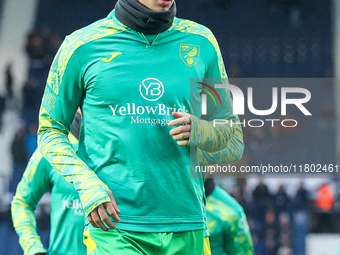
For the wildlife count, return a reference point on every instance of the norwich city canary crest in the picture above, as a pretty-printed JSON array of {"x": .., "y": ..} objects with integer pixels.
[{"x": 189, "y": 54}]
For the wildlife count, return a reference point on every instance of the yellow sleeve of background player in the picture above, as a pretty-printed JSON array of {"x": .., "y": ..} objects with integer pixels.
[{"x": 34, "y": 183}]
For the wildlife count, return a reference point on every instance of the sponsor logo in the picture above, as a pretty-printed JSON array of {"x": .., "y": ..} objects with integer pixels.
[
  {"x": 132, "y": 109},
  {"x": 151, "y": 89},
  {"x": 136, "y": 112},
  {"x": 113, "y": 55},
  {"x": 189, "y": 54},
  {"x": 74, "y": 205}
]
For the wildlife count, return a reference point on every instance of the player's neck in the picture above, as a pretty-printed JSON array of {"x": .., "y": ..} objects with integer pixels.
[{"x": 140, "y": 18}]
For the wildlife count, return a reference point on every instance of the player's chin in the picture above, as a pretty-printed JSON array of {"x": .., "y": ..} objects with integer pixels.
[
  {"x": 162, "y": 9},
  {"x": 165, "y": 5}
]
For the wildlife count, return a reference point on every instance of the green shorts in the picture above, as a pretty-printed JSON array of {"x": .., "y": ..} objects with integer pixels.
[{"x": 120, "y": 242}]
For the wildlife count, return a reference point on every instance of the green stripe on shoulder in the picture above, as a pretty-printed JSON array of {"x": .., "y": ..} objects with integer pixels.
[
  {"x": 191, "y": 27},
  {"x": 100, "y": 29}
]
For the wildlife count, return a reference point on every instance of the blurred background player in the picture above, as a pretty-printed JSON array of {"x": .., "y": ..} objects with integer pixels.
[
  {"x": 228, "y": 228},
  {"x": 227, "y": 223},
  {"x": 233, "y": 212},
  {"x": 67, "y": 216}
]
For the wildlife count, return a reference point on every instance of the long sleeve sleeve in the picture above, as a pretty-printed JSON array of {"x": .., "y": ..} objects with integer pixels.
[
  {"x": 232, "y": 152},
  {"x": 205, "y": 135},
  {"x": 34, "y": 183},
  {"x": 62, "y": 97}
]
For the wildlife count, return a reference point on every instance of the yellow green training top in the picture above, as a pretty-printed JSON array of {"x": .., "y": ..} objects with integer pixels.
[{"x": 127, "y": 88}]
